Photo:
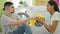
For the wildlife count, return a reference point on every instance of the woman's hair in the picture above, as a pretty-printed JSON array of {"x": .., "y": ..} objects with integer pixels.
[{"x": 55, "y": 5}]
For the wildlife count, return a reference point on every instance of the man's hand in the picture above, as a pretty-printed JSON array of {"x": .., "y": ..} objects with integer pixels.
[{"x": 34, "y": 17}]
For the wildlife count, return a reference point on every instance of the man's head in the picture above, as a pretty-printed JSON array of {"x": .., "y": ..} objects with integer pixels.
[{"x": 8, "y": 6}]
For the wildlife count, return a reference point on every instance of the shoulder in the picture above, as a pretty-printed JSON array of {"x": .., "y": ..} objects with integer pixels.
[
  {"x": 17, "y": 16},
  {"x": 55, "y": 16},
  {"x": 56, "y": 13},
  {"x": 3, "y": 16}
]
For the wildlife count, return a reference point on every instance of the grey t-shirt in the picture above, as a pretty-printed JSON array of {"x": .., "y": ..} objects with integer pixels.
[{"x": 5, "y": 21}]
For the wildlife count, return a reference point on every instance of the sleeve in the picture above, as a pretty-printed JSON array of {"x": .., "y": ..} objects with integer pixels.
[
  {"x": 55, "y": 17},
  {"x": 18, "y": 17},
  {"x": 5, "y": 20}
]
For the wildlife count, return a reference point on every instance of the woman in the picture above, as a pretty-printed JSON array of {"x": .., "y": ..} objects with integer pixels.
[{"x": 53, "y": 9}]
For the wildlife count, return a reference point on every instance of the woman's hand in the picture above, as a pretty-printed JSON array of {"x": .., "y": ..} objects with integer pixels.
[{"x": 41, "y": 20}]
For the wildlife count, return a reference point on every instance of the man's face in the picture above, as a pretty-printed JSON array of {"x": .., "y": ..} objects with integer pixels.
[{"x": 10, "y": 8}]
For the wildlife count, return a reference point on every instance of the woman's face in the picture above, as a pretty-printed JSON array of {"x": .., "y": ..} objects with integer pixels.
[{"x": 49, "y": 7}]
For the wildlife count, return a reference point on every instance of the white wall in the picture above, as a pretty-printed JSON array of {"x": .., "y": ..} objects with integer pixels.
[{"x": 16, "y": 2}]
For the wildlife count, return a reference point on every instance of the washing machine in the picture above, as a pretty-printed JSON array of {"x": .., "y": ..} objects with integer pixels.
[
  {"x": 39, "y": 10},
  {"x": 32, "y": 11}
]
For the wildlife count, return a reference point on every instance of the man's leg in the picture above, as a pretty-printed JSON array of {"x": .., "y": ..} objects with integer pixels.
[
  {"x": 25, "y": 28},
  {"x": 20, "y": 30}
]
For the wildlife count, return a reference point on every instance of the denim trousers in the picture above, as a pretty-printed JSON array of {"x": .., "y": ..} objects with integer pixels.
[{"x": 25, "y": 28}]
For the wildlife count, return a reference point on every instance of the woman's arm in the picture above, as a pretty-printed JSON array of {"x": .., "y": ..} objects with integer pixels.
[
  {"x": 52, "y": 27},
  {"x": 49, "y": 28}
]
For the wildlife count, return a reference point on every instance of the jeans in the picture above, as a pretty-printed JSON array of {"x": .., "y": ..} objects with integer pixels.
[{"x": 25, "y": 28}]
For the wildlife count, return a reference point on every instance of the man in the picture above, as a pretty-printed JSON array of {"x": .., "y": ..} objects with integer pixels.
[{"x": 11, "y": 23}]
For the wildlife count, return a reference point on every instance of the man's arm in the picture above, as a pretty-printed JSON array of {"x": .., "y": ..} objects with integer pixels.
[{"x": 19, "y": 22}]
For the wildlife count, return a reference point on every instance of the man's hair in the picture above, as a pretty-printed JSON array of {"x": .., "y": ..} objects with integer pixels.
[{"x": 7, "y": 4}]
